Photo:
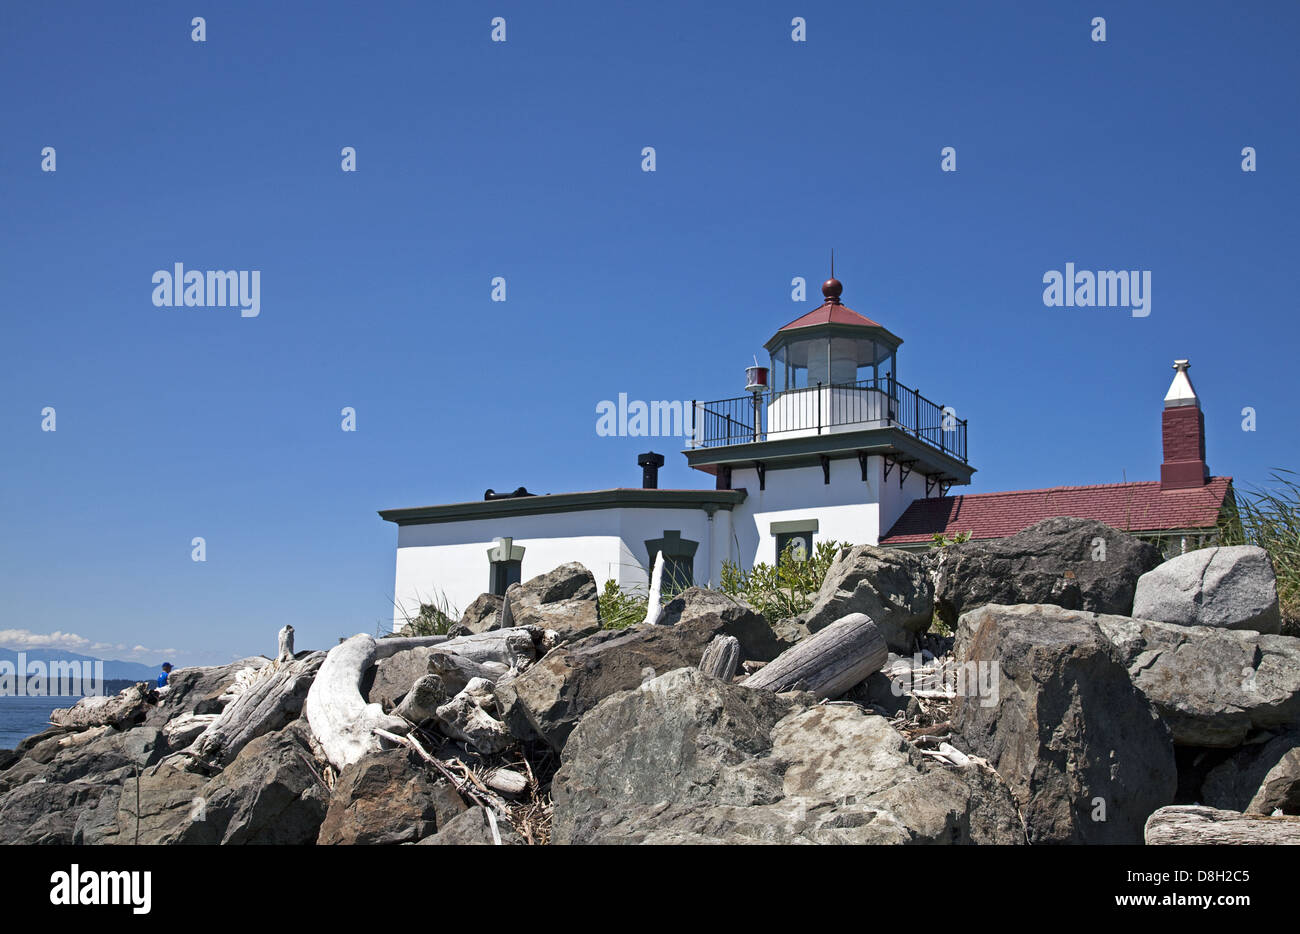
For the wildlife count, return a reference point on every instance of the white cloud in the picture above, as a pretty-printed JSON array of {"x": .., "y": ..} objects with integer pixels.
[
  {"x": 20, "y": 639},
  {"x": 26, "y": 639}
]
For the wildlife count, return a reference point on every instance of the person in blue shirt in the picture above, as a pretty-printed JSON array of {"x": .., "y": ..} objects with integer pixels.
[{"x": 166, "y": 673}]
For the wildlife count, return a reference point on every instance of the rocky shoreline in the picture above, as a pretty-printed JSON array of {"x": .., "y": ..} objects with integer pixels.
[{"x": 1089, "y": 692}]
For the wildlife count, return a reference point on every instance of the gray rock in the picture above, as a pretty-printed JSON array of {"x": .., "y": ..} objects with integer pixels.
[
  {"x": 1258, "y": 779},
  {"x": 472, "y": 828},
  {"x": 892, "y": 587},
  {"x": 1230, "y": 587},
  {"x": 1214, "y": 687},
  {"x": 383, "y": 798},
  {"x": 47, "y": 812},
  {"x": 1067, "y": 730},
  {"x": 140, "y": 747},
  {"x": 690, "y": 759},
  {"x": 555, "y": 692},
  {"x": 709, "y": 610},
  {"x": 483, "y": 614},
  {"x": 394, "y": 676},
  {"x": 269, "y": 794},
  {"x": 564, "y": 600},
  {"x": 1079, "y": 564}
]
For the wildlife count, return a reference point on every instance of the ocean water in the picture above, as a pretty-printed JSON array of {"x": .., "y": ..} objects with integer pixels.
[{"x": 20, "y": 717}]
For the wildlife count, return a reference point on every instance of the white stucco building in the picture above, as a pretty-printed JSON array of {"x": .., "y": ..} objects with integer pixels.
[{"x": 832, "y": 448}]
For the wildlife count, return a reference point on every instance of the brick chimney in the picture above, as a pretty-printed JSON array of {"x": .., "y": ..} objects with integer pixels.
[{"x": 1183, "y": 428}]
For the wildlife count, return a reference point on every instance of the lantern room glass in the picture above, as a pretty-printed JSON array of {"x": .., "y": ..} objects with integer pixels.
[{"x": 830, "y": 360}]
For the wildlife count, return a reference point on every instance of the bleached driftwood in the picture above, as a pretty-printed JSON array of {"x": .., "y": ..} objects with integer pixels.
[
  {"x": 654, "y": 607},
  {"x": 111, "y": 710},
  {"x": 721, "y": 657},
  {"x": 507, "y": 781},
  {"x": 1195, "y": 824},
  {"x": 285, "y": 653},
  {"x": 512, "y": 648},
  {"x": 243, "y": 678},
  {"x": 423, "y": 699},
  {"x": 470, "y": 717},
  {"x": 185, "y": 729},
  {"x": 338, "y": 714},
  {"x": 270, "y": 701},
  {"x": 829, "y": 662}
]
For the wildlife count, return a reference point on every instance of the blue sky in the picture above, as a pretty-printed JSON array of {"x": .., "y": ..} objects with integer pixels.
[{"x": 523, "y": 160}]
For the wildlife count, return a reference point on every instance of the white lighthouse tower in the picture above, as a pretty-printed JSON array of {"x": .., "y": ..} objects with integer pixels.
[{"x": 832, "y": 447}]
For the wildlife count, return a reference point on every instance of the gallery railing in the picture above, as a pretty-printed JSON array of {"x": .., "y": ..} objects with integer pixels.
[{"x": 826, "y": 409}]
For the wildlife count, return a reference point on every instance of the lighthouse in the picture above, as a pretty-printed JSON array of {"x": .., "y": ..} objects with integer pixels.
[{"x": 828, "y": 443}]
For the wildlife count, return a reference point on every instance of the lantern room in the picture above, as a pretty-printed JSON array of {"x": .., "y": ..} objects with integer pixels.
[{"x": 832, "y": 345}]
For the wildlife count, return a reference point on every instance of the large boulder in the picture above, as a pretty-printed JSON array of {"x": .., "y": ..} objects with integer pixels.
[
  {"x": 892, "y": 587},
  {"x": 90, "y": 753},
  {"x": 47, "y": 812},
  {"x": 1079, "y": 564},
  {"x": 383, "y": 798},
  {"x": 271, "y": 793},
  {"x": 711, "y": 611},
  {"x": 483, "y": 614},
  {"x": 392, "y": 678},
  {"x": 1258, "y": 779},
  {"x": 1232, "y": 587},
  {"x": 1214, "y": 687},
  {"x": 563, "y": 600},
  {"x": 686, "y": 758},
  {"x": 1081, "y": 747},
  {"x": 557, "y": 691}
]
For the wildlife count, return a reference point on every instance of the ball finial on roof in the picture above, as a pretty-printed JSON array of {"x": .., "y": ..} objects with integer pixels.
[{"x": 832, "y": 288}]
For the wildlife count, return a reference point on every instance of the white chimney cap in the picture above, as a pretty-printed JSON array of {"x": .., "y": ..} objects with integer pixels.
[{"x": 1180, "y": 390}]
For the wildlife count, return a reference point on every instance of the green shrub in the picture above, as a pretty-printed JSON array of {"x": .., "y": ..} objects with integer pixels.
[
  {"x": 1270, "y": 518},
  {"x": 433, "y": 618},
  {"x": 785, "y": 590},
  {"x": 618, "y": 610}
]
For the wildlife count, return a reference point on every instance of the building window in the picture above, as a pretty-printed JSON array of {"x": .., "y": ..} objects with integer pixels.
[
  {"x": 679, "y": 560},
  {"x": 795, "y": 535},
  {"x": 505, "y": 564}
]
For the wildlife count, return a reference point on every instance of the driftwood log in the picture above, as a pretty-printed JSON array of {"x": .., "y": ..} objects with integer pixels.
[
  {"x": 284, "y": 651},
  {"x": 471, "y": 717},
  {"x": 1195, "y": 824},
  {"x": 340, "y": 718},
  {"x": 721, "y": 657},
  {"x": 512, "y": 648},
  {"x": 270, "y": 701},
  {"x": 116, "y": 710},
  {"x": 654, "y": 606},
  {"x": 829, "y": 662}
]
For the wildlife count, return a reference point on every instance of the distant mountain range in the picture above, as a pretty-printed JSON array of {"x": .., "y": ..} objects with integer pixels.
[{"x": 113, "y": 670}]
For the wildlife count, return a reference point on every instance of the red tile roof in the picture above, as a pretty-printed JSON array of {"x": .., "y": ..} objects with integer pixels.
[
  {"x": 1134, "y": 507},
  {"x": 831, "y": 313}
]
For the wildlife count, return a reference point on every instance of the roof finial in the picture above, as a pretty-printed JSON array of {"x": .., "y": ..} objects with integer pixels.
[{"x": 832, "y": 287}]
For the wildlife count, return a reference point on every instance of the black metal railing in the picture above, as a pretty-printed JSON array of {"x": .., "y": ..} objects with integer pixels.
[{"x": 822, "y": 409}]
